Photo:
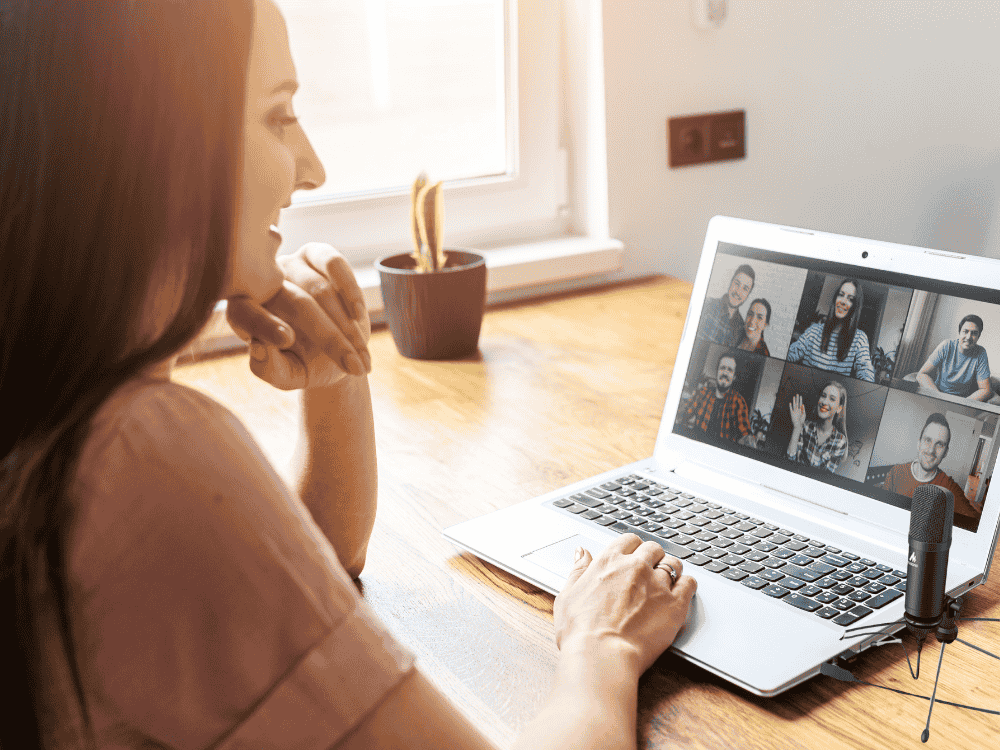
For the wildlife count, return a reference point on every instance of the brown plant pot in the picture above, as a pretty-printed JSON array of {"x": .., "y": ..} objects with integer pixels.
[{"x": 435, "y": 315}]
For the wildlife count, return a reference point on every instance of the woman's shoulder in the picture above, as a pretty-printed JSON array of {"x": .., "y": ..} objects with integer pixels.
[{"x": 163, "y": 459}]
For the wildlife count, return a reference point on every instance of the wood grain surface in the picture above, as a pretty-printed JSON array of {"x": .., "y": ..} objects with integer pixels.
[{"x": 563, "y": 388}]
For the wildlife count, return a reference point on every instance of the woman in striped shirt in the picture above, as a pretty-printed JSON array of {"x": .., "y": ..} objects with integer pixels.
[{"x": 837, "y": 344}]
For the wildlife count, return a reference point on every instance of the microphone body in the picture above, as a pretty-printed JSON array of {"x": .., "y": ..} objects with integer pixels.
[{"x": 931, "y": 516}]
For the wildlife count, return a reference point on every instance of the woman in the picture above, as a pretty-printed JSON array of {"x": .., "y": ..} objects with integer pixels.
[
  {"x": 820, "y": 442},
  {"x": 837, "y": 344},
  {"x": 758, "y": 318},
  {"x": 159, "y": 584}
]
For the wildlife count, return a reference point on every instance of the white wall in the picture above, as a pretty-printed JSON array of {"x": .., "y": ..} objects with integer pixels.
[{"x": 876, "y": 118}]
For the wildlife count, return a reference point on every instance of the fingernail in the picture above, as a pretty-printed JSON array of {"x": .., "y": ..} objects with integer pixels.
[
  {"x": 258, "y": 351},
  {"x": 579, "y": 555},
  {"x": 286, "y": 335}
]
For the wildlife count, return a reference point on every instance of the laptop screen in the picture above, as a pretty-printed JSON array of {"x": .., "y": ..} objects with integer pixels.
[{"x": 872, "y": 381}]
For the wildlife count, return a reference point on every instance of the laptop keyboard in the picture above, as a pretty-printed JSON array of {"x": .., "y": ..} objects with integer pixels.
[{"x": 831, "y": 583}]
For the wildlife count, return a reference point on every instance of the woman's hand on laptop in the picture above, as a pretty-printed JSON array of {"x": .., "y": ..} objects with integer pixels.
[
  {"x": 315, "y": 330},
  {"x": 620, "y": 603}
]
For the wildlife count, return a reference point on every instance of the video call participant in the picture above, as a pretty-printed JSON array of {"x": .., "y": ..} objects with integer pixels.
[
  {"x": 820, "y": 442},
  {"x": 837, "y": 344},
  {"x": 718, "y": 409},
  {"x": 960, "y": 366},
  {"x": 758, "y": 318},
  {"x": 932, "y": 447},
  {"x": 723, "y": 322}
]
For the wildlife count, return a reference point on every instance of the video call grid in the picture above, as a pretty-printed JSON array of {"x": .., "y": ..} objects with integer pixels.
[{"x": 868, "y": 418}]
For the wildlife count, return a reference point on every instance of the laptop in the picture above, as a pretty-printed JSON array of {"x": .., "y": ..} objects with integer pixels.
[{"x": 785, "y": 462}]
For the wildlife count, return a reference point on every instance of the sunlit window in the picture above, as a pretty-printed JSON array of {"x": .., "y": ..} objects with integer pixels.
[{"x": 390, "y": 88}]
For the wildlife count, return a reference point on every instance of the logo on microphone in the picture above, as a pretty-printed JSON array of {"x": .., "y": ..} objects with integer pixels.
[{"x": 913, "y": 558}]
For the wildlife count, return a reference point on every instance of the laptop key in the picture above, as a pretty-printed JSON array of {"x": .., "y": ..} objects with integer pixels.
[
  {"x": 765, "y": 546},
  {"x": 842, "y": 589},
  {"x": 840, "y": 575},
  {"x": 716, "y": 553},
  {"x": 774, "y": 562},
  {"x": 597, "y": 492},
  {"x": 844, "y": 604},
  {"x": 826, "y": 597},
  {"x": 771, "y": 575},
  {"x": 899, "y": 574},
  {"x": 721, "y": 541},
  {"x": 814, "y": 552},
  {"x": 735, "y": 574},
  {"x": 697, "y": 559},
  {"x": 683, "y": 539},
  {"x": 605, "y": 521},
  {"x": 751, "y": 567},
  {"x": 590, "y": 515},
  {"x": 873, "y": 574},
  {"x": 731, "y": 559},
  {"x": 880, "y": 600},
  {"x": 574, "y": 508},
  {"x": 826, "y": 583},
  {"x": 873, "y": 588},
  {"x": 800, "y": 560},
  {"x": 802, "y": 573},
  {"x": 716, "y": 567},
  {"x": 835, "y": 560},
  {"x": 802, "y": 602},
  {"x": 782, "y": 554},
  {"x": 779, "y": 539},
  {"x": 754, "y": 582},
  {"x": 792, "y": 584},
  {"x": 827, "y": 612},
  {"x": 698, "y": 546},
  {"x": 650, "y": 526},
  {"x": 775, "y": 591},
  {"x": 796, "y": 546},
  {"x": 851, "y": 617},
  {"x": 739, "y": 548},
  {"x": 562, "y": 502},
  {"x": 810, "y": 590},
  {"x": 611, "y": 486},
  {"x": 821, "y": 567},
  {"x": 888, "y": 580},
  {"x": 858, "y": 596}
]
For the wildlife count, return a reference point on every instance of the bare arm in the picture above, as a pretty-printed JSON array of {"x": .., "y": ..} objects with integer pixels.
[
  {"x": 985, "y": 392},
  {"x": 925, "y": 377},
  {"x": 323, "y": 351},
  {"x": 334, "y": 466}
]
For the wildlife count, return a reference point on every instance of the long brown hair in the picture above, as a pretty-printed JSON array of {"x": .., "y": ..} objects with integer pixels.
[
  {"x": 849, "y": 326},
  {"x": 121, "y": 125}
]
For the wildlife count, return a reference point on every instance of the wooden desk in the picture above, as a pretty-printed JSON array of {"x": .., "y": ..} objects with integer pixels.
[{"x": 566, "y": 388}]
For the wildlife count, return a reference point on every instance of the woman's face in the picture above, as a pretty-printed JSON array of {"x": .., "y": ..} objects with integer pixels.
[
  {"x": 277, "y": 158},
  {"x": 756, "y": 321},
  {"x": 845, "y": 300},
  {"x": 829, "y": 403}
]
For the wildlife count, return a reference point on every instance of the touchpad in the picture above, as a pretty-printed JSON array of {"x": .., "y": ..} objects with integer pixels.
[{"x": 558, "y": 557}]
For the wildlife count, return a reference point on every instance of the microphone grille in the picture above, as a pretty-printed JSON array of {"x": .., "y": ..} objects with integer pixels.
[{"x": 931, "y": 514}]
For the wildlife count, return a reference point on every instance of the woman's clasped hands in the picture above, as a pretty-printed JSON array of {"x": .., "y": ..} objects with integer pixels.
[{"x": 315, "y": 330}]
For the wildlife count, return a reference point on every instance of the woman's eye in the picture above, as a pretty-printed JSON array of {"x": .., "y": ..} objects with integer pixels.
[{"x": 282, "y": 121}]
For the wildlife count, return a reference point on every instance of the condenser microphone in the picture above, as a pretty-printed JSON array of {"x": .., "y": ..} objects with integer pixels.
[{"x": 931, "y": 515}]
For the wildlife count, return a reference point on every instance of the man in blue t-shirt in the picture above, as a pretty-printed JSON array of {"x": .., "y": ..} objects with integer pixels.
[{"x": 959, "y": 366}]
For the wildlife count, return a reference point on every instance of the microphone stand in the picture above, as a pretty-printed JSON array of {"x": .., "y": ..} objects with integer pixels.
[{"x": 946, "y": 632}]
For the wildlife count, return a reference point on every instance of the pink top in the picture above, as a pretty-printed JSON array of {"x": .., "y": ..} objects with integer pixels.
[{"x": 207, "y": 608}]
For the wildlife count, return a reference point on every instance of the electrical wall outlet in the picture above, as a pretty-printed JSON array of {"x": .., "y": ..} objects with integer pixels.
[{"x": 716, "y": 136}]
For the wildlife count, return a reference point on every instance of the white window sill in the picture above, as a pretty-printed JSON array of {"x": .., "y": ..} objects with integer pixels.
[{"x": 514, "y": 272}]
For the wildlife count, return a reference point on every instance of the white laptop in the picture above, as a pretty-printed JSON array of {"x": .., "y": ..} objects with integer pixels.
[{"x": 784, "y": 464}]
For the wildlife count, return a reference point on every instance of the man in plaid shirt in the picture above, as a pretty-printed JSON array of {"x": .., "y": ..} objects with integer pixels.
[
  {"x": 718, "y": 409},
  {"x": 722, "y": 322}
]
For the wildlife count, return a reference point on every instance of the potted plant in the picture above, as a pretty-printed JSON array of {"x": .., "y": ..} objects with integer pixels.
[{"x": 435, "y": 296}]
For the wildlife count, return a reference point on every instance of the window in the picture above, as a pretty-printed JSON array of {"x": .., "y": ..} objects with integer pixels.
[
  {"x": 428, "y": 85},
  {"x": 542, "y": 221}
]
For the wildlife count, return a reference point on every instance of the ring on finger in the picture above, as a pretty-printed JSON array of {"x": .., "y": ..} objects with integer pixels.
[{"x": 664, "y": 565}]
